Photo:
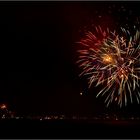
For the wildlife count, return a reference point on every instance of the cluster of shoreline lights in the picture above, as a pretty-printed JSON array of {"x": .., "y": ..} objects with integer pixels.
[{"x": 6, "y": 114}]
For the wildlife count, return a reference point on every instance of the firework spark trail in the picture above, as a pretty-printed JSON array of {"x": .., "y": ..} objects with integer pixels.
[{"x": 114, "y": 62}]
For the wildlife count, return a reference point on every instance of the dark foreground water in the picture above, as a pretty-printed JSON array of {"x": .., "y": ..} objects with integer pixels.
[{"x": 69, "y": 129}]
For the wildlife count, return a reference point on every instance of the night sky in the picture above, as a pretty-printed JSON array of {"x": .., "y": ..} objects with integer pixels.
[{"x": 39, "y": 74}]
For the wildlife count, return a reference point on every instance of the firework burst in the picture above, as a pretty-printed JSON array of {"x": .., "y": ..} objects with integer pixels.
[{"x": 112, "y": 61}]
